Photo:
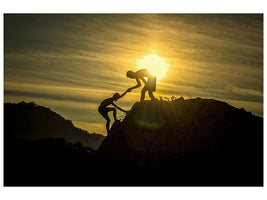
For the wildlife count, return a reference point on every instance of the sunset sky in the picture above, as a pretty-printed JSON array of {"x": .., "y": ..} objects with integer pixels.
[{"x": 70, "y": 63}]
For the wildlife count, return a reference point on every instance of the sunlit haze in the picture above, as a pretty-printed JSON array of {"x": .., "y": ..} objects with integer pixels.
[{"x": 155, "y": 65}]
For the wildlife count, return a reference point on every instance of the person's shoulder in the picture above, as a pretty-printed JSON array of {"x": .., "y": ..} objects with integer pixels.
[
  {"x": 107, "y": 100},
  {"x": 142, "y": 72}
]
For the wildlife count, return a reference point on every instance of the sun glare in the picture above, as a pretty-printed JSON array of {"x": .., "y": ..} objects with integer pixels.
[{"x": 155, "y": 65}]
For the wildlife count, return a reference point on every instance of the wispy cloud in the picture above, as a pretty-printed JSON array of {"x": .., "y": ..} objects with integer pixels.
[{"x": 69, "y": 62}]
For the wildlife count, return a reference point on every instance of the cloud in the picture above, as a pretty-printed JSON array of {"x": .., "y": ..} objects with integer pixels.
[{"x": 71, "y": 62}]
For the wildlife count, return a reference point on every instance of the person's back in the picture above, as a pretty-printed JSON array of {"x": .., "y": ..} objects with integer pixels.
[
  {"x": 143, "y": 73},
  {"x": 106, "y": 102}
]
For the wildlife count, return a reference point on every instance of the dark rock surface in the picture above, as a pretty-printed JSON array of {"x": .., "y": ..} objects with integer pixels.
[
  {"x": 198, "y": 141},
  {"x": 194, "y": 142}
]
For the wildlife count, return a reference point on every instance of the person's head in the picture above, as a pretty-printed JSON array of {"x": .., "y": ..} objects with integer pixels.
[
  {"x": 116, "y": 96},
  {"x": 130, "y": 74}
]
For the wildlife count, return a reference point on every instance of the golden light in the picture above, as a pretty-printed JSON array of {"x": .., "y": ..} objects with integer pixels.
[{"x": 155, "y": 65}]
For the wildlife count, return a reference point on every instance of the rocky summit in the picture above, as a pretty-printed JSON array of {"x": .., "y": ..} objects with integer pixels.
[{"x": 193, "y": 137}]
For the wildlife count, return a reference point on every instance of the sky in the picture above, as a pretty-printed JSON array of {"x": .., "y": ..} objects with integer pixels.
[{"x": 70, "y": 63}]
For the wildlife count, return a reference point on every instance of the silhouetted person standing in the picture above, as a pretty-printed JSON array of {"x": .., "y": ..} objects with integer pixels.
[
  {"x": 103, "y": 109},
  {"x": 150, "y": 83}
]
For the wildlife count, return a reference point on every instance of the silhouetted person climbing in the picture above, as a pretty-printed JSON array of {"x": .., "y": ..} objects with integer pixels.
[
  {"x": 150, "y": 83},
  {"x": 103, "y": 109}
]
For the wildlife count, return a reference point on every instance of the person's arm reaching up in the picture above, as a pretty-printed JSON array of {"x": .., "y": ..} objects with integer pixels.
[
  {"x": 144, "y": 80},
  {"x": 124, "y": 93},
  {"x": 119, "y": 108}
]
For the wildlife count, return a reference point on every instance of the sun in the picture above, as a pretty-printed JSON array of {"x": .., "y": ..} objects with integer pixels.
[{"x": 155, "y": 65}]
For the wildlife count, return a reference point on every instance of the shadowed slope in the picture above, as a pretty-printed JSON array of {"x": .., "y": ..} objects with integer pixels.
[{"x": 28, "y": 120}]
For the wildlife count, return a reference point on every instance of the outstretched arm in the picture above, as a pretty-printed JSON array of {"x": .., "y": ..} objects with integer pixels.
[
  {"x": 123, "y": 93},
  {"x": 144, "y": 80},
  {"x": 119, "y": 108},
  {"x": 137, "y": 85}
]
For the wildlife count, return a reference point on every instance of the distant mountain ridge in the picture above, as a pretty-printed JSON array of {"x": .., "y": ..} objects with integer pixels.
[{"x": 31, "y": 121}]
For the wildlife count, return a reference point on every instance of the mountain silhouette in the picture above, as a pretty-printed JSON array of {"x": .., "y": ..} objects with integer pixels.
[
  {"x": 198, "y": 141},
  {"x": 194, "y": 142},
  {"x": 31, "y": 121}
]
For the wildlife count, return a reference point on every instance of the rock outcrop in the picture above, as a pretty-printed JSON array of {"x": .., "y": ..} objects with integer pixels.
[{"x": 196, "y": 140}]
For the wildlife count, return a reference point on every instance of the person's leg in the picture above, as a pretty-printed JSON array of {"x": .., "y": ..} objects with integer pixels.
[
  {"x": 143, "y": 93},
  {"x": 107, "y": 125},
  {"x": 114, "y": 113},
  {"x": 151, "y": 95},
  {"x": 104, "y": 113}
]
